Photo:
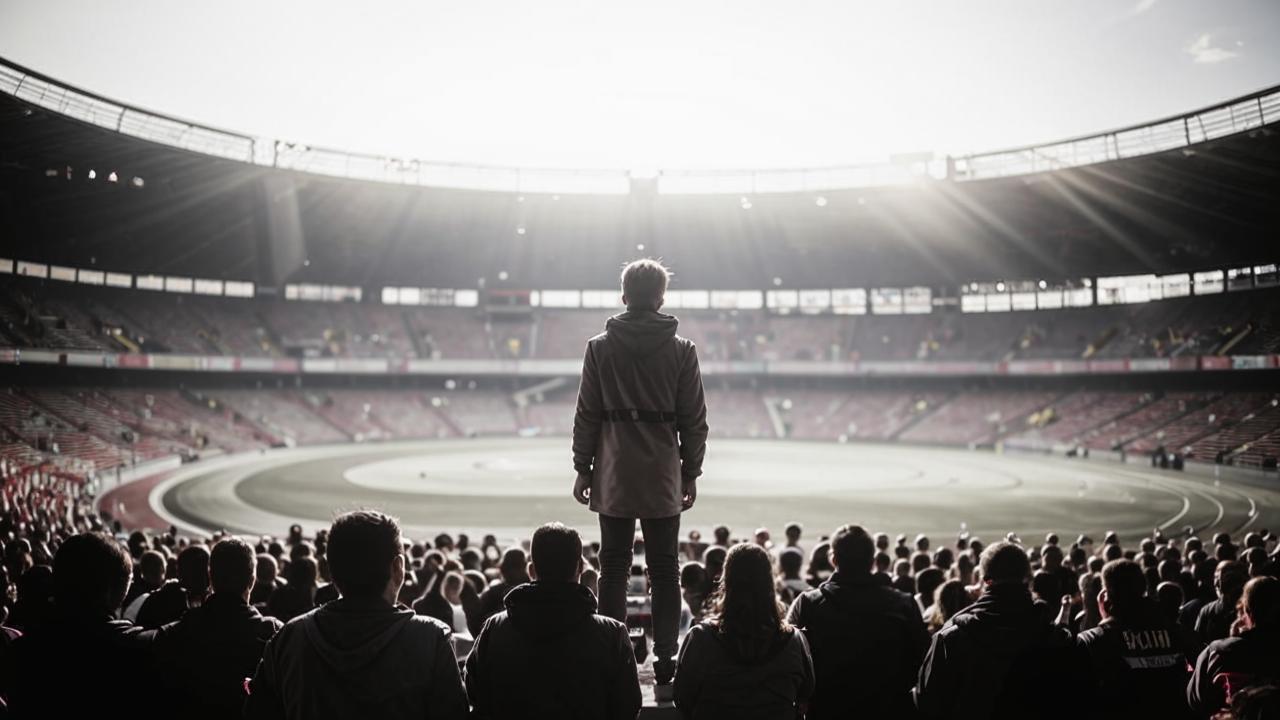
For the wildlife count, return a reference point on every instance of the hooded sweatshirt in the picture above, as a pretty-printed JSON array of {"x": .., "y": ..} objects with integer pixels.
[
  {"x": 549, "y": 655},
  {"x": 716, "y": 680},
  {"x": 355, "y": 658},
  {"x": 640, "y": 429},
  {"x": 997, "y": 658}
]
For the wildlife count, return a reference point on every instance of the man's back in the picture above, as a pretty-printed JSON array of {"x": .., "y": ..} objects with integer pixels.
[
  {"x": 73, "y": 667},
  {"x": 996, "y": 659},
  {"x": 550, "y": 655},
  {"x": 641, "y": 387},
  {"x": 210, "y": 651},
  {"x": 358, "y": 658},
  {"x": 866, "y": 640},
  {"x": 1138, "y": 667}
]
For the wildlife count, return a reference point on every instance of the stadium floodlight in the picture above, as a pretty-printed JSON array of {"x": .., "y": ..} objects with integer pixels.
[
  {"x": 93, "y": 174},
  {"x": 1000, "y": 286}
]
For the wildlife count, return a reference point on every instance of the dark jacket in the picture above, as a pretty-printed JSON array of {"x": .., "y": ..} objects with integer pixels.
[
  {"x": 435, "y": 606},
  {"x": 1138, "y": 667},
  {"x": 866, "y": 640},
  {"x": 550, "y": 656},
  {"x": 1232, "y": 664},
  {"x": 76, "y": 668},
  {"x": 490, "y": 603},
  {"x": 207, "y": 655},
  {"x": 998, "y": 658},
  {"x": 715, "y": 680},
  {"x": 641, "y": 425},
  {"x": 1214, "y": 620},
  {"x": 357, "y": 658},
  {"x": 163, "y": 606}
]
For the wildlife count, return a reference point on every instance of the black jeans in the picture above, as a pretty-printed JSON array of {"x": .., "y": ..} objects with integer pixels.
[{"x": 661, "y": 547}]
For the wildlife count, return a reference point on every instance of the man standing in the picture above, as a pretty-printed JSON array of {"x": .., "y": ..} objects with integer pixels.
[
  {"x": 549, "y": 655},
  {"x": 639, "y": 437},
  {"x": 867, "y": 639},
  {"x": 361, "y": 655}
]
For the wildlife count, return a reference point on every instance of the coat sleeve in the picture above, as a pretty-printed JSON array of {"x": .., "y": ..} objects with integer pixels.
[
  {"x": 588, "y": 416},
  {"x": 625, "y": 699},
  {"x": 935, "y": 692},
  {"x": 264, "y": 701},
  {"x": 795, "y": 615},
  {"x": 1204, "y": 696},
  {"x": 690, "y": 670},
  {"x": 447, "y": 699},
  {"x": 477, "y": 676},
  {"x": 805, "y": 691},
  {"x": 691, "y": 417}
]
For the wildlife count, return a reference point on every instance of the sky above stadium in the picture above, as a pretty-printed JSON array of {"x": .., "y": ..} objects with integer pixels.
[{"x": 655, "y": 84}]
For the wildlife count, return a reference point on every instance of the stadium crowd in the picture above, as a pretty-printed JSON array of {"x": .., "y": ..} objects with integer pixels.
[{"x": 360, "y": 621}]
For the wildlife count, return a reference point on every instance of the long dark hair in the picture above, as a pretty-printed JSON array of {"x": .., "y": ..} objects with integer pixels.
[{"x": 744, "y": 610}]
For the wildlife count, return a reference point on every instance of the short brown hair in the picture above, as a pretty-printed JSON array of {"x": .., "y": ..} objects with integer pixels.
[
  {"x": 557, "y": 552},
  {"x": 644, "y": 283},
  {"x": 362, "y": 545}
]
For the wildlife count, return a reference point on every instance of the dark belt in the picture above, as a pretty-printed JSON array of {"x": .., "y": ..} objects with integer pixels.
[{"x": 644, "y": 416}]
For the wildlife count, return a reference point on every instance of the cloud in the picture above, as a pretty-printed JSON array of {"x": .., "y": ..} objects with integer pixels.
[
  {"x": 1142, "y": 6},
  {"x": 1204, "y": 52}
]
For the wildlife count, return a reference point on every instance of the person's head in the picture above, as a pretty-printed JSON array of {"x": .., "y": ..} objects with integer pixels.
[
  {"x": 790, "y": 562},
  {"x": 927, "y": 583},
  {"x": 91, "y": 574},
  {"x": 1260, "y": 603},
  {"x": 1229, "y": 579},
  {"x": 266, "y": 570},
  {"x": 852, "y": 550},
  {"x": 151, "y": 568},
  {"x": 365, "y": 557},
  {"x": 721, "y": 534},
  {"x": 232, "y": 566},
  {"x": 745, "y": 608},
  {"x": 451, "y": 587},
  {"x": 1169, "y": 598},
  {"x": 713, "y": 559},
  {"x": 193, "y": 570},
  {"x": 1051, "y": 556},
  {"x": 693, "y": 577},
  {"x": 1124, "y": 585},
  {"x": 950, "y": 598},
  {"x": 556, "y": 552},
  {"x": 644, "y": 284},
  {"x": 512, "y": 566},
  {"x": 882, "y": 562},
  {"x": 1044, "y": 586},
  {"x": 303, "y": 573},
  {"x": 793, "y": 532},
  {"x": 1005, "y": 563}
]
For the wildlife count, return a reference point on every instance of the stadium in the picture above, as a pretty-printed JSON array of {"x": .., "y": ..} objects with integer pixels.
[{"x": 205, "y": 333}]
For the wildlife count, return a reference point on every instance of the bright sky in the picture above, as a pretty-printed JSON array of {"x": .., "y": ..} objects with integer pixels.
[{"x": 655, "y": 83}]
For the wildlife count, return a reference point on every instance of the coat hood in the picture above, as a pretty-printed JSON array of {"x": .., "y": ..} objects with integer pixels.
[
  {"x": 543, "y": 610},
  {"x": 349, "y": 635},
  {"x": 641, "y": 332}
]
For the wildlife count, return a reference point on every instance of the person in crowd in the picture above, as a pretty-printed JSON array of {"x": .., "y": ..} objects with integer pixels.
[
  {"x": 513, "y": 573},
  {"x": 207, "y": 654},
  {"x": 434, "y": 603},
  {"x": 175, "y": 597},
  {"x": 995, "y": 658},
  {"x": 639, "y": 438},
  {"x": 1137, "y": 658},
  {"x": 866, "y": 639},
  {"x": 790, "y": 563},
  {"x": 1215, "y": 618},
  {"x": 549, "y": 654},
  {"x": 793, "y": 531},
  {"x": 34, "y": 604},
  {"x": 299, "y": 594},
  {"x": 950, "y": 598},
  {"x": 150, "y": 577},
  {"x": 744, "y": 660},
  {"x": 84, "y": 659},
  {"x": 928, "y": 581},
  {"x": 1248, "y": 659},
  {"x": 267, "y": 579},
  {"x": 693, "y": 588},
  {"x": 360, "y": 655},
  {"x": 713, "y": 561}
]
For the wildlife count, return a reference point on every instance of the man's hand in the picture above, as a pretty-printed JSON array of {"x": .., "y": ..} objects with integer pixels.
[
  {"x": 582, "y": 488},
  {"x": 688, "y": 494}
]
